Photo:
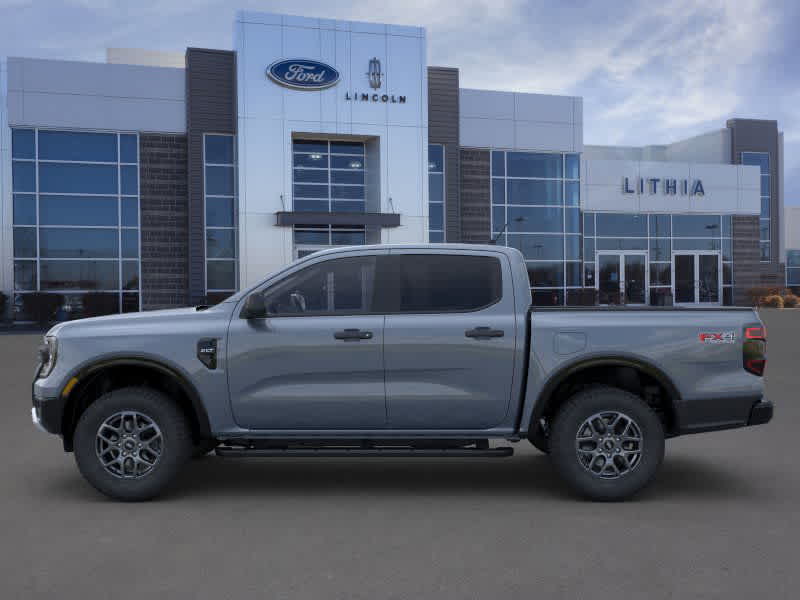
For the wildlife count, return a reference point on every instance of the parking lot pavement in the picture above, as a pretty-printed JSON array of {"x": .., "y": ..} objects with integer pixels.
[{"x": 722, "y": 519}]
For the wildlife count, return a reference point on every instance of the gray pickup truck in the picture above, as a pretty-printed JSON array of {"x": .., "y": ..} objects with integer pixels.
[{"x": 425, "y": 350}]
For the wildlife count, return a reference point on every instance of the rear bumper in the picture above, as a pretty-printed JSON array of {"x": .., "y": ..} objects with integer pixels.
[{"x": 715, "y": 414}]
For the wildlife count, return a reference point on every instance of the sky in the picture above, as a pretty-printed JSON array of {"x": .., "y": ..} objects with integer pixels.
[{"x": 649, "y": 72}]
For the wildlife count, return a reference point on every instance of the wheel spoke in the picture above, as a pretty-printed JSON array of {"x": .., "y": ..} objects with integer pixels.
[
  {"x": 609, "y": 444},
  {"x": 121, "y": 449}
]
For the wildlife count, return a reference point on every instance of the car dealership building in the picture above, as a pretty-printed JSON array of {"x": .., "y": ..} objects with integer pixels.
[{"x": 157, "y": 180}]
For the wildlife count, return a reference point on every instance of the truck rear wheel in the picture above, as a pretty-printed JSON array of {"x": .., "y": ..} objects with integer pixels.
[
  {"x": 130, "y": 443},
  {"x": 606, "y": 443}
]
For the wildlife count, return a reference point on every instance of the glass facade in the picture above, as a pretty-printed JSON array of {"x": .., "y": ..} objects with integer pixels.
[
  {"x": 660, "y": 237},
  {"x": 793, "y": 268},
  {"x": 76, "y": 221},
  {"x": 761, "y": 160},
  {"x": 536, "y": 209},
  {"x": 436, "y": 193},
  {"x": 219, "y": 163}
]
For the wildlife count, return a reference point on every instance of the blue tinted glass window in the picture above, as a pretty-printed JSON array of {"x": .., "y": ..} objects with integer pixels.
[
  {"x": 765, "y": 207},
  {"x": 348, "y": 206},
  {"x": 696, "y": 225},
  {"x": 219, "y": 212},
  {"x": 588, "y": 224},
  {"x": 498, "y": 191},
  {"x": 311, "y": 205},
  {"x": 130, "y": 243},
  {"x": 759, "y": 159},
  {"x": 435, "y": 158},
  {"x": 572, "y": 247},
  {"x": 23, "y": 143},
  {"x": 522, "y": 191},
  {"x": 727, "y": 249},
  {"x": 310, "y": 146},
  {"x": 764, "y": 247},
  {"x": 130, "y": 275},
  {"x": 726, "y": 225},
  {"x": 436, "y": 237},
  {"x": 348, "y": 238},
  {"x": 764, "y": 229},
  {"x": 129, "y": 176},
  {"x": 535, "y": 219},
  {"x": 498, "y": 217},
  {"x": 25, "y": 242},
  {"x": 538, "y": 247},
  {"x": 621, "y": 243},
  {"x": 572, "y": 220},
  {"x": 311, "y": 175},
  {"x": 80, "y": 146},
  {"x": 24, "y": 275},
  {"x": 498, "y": 163},
  {"x": 220, "y": 243},
  {"x": 319, "y": 237},
  {"x": 219, "y": 181},
  {"x": 221, "y": 274},
  {"x": 24, "y": 209},
  {"x": 340, "y": 162},
  {"x": 320, "y": 161},
  {"x": 436, "y": 216},
  {"x": 78, "y": 243},
  {"x": 529, "y": 164},
  {"x": 572, "y": 190},
  {"x": 793, "y": 258},
  {"x": 347, "y": 192},
  {"x": 23, "y": 176},
  {"x": 80, "y": 275},
  {"x": 77, "y": 210},
  {"x": 695, "y": 244},
  {"x": 357, "y": 177},
  {"x": 627, "y": 225},
  {"x": 544, "y": 274},
  {"x": 128, "y": 149},
  {"x": 573, "y": 274},
  {"x": 219, "y": 149},
  {"x": 310, "y": 191},
  {"x": 573, "y": 166},
  {"x": 660, "y": 226},
  {"x": 130, "y": 212},
  {"x": 765, "y": 185},
  {"x": 77, "y": 179},
  {"x": 660, "y": 249},
  {"x": 588, "y": 249},
  {"x": 436, "y": 187},
  {"x": 347, "y": 148}
]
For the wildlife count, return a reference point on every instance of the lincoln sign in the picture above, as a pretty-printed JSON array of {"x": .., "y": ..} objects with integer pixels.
[{"x": 667, "y": 186}]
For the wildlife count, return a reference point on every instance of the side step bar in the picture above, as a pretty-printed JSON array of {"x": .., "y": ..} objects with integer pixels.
[{"x": 229, "y": 451}]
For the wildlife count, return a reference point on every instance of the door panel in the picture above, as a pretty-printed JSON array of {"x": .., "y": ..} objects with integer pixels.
[
  {"x": 315, "y": 362},
  {"x": 438, "y": 376},
  {"x": 684, "y": 278},
  {"x": 635, "y": 278},
  {"x": 708, "y": 275}
]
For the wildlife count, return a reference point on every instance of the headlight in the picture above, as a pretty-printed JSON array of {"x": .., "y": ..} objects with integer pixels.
[{"x": 47, "y": 355}]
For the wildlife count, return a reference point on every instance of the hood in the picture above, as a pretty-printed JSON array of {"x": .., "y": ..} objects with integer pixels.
[{"x": 145, "y": 317}]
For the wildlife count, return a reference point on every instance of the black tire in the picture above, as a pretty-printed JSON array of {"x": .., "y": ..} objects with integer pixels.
[
  {"x": 570, "y": 420},
  {"x": 175, "y": 446}
]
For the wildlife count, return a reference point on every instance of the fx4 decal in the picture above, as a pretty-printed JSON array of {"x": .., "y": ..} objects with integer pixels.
[{"x": 722, "y": 337}]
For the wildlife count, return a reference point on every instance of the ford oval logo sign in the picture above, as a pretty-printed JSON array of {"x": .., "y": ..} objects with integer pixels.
[{"x": 303, "y": 74}]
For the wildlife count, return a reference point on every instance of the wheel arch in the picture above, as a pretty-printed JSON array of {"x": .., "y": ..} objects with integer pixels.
[
  {"x": 618, "y": 369},
  {"x": 113, "y": 373}
]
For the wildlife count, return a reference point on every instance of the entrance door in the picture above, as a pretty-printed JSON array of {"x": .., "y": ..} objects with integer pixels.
[
  {"x": 697, "y": 278},
  {"x": 622, "y": 277}
]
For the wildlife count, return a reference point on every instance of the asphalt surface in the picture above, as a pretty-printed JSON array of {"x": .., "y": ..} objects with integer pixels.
[{"x": 721, "y": 521}]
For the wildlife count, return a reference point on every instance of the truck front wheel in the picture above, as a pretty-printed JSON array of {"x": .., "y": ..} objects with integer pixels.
[
  {"x": 606, "y": 443},
  {"x": 130, "y": 443}
]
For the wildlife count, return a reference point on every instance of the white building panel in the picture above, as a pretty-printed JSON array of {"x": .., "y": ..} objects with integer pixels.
[
  {"x": 545, "y": 136},
  {"x": 486, "y": 133}
]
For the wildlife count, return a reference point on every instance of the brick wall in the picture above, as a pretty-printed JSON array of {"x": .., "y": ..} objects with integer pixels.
[
  {"x": 164, "y": 220},
  {"x": 748, "y": 271},
  {"x": 476, "y": 217}
]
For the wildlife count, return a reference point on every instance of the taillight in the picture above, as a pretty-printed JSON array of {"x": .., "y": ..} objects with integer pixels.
[{"x": 754, "y": 349}]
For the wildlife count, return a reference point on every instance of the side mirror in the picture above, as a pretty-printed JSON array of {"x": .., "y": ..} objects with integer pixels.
[{"x": 254, "y": 307}]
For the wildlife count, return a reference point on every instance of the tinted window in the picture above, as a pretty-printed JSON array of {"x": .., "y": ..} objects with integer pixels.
[
  {"x": 80, "y": 275},
  {"x": 435, "y": 158},
  {"x": 78, "y": 243},
  {"x": 221, "y": 274},
  {"x": 22, "y": 143},
  {"x": 68, "y": 178},
  {"x": 73, "y": 145},
  {"x": 538, "y": 247},
  {"x": 219, "y": 181},
  {"x": 498, "y": 163},
  {"x": 529, "y": 164},
  {"x": 23, "y": 176},
  {"x": 660, "y": 226},
  {"x": 696, "y": 225},
  {"x": 77, "y": 210},
  {"x": 621, "y": 225},
  {"x": 219, "y": 149},
  {"x": 220, "y": 243},
  {"x": 339, "y": 286},
  {"x": 24, "y": 209},
  {"x": 440, "y": 283},
  {"x": 127, "y": 149},
  {"x": 524, "y": 191},
  {"x": 219, "y": 212}
]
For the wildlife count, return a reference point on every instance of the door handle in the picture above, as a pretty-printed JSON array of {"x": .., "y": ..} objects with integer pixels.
[
  {"x": 353, "y": 334},
  {"x": 484, "y": 332}
]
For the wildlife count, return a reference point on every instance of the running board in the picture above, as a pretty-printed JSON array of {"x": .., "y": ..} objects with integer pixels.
[{"x": 230, "y": 452}]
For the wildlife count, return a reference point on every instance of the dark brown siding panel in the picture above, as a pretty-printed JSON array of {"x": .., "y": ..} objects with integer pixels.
[
  {"x": 164, "y": 220},
  {"x": 754, "y": 135},
  {"x": 475, "y": 198},
  {"x": 210, "y": 108},
  {"x": 443, "y": 129},
  {"x": 746, "y": 266}
]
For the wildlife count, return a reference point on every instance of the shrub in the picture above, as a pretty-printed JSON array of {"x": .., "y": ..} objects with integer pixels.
[
  {"x": 41, "y": 307},
  {"x": 790, "y": 301},
  {"x": 758, "y": 295},
  {"x": 773, "y": 301}
]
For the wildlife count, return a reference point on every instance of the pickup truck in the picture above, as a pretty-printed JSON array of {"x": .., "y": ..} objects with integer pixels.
[{"x": 389, "y": 350}]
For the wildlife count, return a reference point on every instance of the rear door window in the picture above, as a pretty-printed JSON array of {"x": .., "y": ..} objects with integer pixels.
[{"x": 438, "y": 283}]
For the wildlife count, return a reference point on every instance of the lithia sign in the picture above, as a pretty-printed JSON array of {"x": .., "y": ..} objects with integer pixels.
[
  {"x": 667, "y": 186},
  {"x": 306, "y": 74}
]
